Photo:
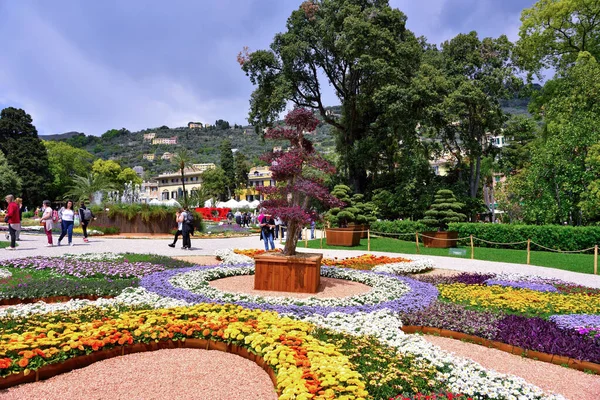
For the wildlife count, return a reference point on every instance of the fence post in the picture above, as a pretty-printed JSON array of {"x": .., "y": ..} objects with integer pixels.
[
  {"x": 596, "y": 260},
  {"x": 305, "y": 238},
  {"x": 472, "y": 248},
  {"x": 322, "y": 233},
  {"x": 528, "y": 251},
  {"x": 368, "y": 240},
  {"x": 417, "y": 242}
]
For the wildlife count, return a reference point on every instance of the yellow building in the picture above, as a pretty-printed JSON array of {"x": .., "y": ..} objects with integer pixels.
[
  {"x": 170, "y": 185},
  {"x": 171, "y": 140},
  {"x": 149, "y": 157},
  {"x": 257, "y": 177}
]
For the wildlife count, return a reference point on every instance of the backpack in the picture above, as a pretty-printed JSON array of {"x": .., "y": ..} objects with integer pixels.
[
  {"x": 189, "y": 217},
  {"x": 87, "y": 214}
]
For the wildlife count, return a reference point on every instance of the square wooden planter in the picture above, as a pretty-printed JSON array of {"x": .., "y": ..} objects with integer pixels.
[
  {"x": 348, "y": 237},
  {"x": 440, "y": 240},
  {"x": 299, "y": 274}
]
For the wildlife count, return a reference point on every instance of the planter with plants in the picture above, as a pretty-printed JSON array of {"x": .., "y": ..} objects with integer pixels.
[
  {"x": 139, "y": 218},
  {"x": 444, "y": 210},
  {"x": 349, "y": 223},
  {"x": 298, "y": 173}
]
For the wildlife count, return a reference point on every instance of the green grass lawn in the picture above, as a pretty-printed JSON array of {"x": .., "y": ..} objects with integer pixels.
[
  {"x": 4, "y": 244},
  {"x": 570, "y": 262}
]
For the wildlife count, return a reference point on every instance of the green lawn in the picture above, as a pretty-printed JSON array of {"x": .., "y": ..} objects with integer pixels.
[
  {"x": 570, "y": 262},
  {"x": 4, "y": 244}
]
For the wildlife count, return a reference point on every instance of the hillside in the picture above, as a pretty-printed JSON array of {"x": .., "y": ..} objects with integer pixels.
[{"x": 129, "y": 148}]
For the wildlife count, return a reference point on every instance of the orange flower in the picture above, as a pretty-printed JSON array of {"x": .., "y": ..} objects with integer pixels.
[{"x": 23, "y": 362}]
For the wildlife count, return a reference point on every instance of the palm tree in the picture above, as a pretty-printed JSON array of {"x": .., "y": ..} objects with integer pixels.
[
  {"x": 182, "y": 159},
  {"x": 84, "y": 187}
]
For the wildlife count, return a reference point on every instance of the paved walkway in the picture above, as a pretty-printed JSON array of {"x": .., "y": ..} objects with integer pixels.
[{"x": 33, "y": 245}]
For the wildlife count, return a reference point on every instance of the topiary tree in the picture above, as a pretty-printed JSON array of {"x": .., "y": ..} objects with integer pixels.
[
  {"x": 355, "y": 209},
  {"x": 295, "y": 173},
  {"x": 445, "y": 209}
]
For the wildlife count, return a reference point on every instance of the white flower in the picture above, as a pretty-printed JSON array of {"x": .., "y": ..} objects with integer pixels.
[
  {"x": 228, "y": 257},
  {"x": 5, "y": 274},
  {"x": 402, "y": 268}
]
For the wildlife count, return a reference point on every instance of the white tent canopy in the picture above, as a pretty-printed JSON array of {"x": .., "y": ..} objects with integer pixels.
[
  {"x": 172, "y": 203},
  {"x": 243, "y": 204},
  {"x": 209, "y": 202},
  {"x": 230, "y": 204},
  {"x": 254, "y": 204},
  {"x": 155, "y": 202}
]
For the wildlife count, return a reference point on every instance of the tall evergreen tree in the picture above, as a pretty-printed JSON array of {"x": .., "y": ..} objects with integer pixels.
[
  {"x": 242, "y": 169},
  {"x": 25, "y": 154},
  {"x": 227, "y": 164}
]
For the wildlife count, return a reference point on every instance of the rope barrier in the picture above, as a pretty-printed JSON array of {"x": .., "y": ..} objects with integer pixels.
[
  {"x": 487, "y": 241},
  {"x": 562, "y": 251},
  {"x": 435, "y": 238}
]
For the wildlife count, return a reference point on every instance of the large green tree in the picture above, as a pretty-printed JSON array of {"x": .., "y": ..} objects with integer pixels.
[
  {"x": 241, "y": 169},
  {"x": 552, "y": 188},
  {"x": 520, "y": 133},
  {"x": 227, "y": 164},
  {"x": 214, "y": 184},
  {"x": 359, "y": 48},
  {"x": 25, "y": 153},
  {"x": 554, "y": 32},
  {"x": 481, "y": 73},
  {"x": 10, "y": 183},
  {"x": 182, "y": 159},
  {"x": 65, "y": 162},
  {"x": 84, "y": 187}
]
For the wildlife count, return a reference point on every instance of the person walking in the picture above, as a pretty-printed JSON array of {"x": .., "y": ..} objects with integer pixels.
[
  {"x": 266, "y": 229},
  {"x": 85, "y": 216},
  {"x": 46, "y": 221},
  {"x": 13, "y": 218},
  {"x": 19, "y": 202},
  {"x": 179, "y": 227},
  {"x": 67, "y": 219},
  {"x": 238, "y": 218},
  {"x": 187, "y": 228},
  {"x": 313, "y": 225},
  {"x": 277, "y": 227}
]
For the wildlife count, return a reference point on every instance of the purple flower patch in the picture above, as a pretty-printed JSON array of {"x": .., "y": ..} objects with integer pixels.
[
  {"x": 539, "y": 287},
  {"x": 420, "y": 295}
]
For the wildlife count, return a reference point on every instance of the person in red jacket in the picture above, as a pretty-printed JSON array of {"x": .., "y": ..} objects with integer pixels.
[{"x": 14, "y": 220}]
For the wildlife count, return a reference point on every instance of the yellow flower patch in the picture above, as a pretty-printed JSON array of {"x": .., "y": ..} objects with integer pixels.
[
  {"x": 520, "y": 300},
  {"x": 306, "y": 368}
]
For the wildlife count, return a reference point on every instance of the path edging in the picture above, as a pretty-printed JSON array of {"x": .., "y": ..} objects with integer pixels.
[{"x": 507, "y": 348}]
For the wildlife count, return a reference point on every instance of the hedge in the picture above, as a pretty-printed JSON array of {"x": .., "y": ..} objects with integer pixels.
[{"x": 558, "y": 237}]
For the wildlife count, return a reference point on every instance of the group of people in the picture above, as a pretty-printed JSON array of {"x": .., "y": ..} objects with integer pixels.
[
  {"x": 185, "y": 228},
  {"x": 66, "y": 217}
]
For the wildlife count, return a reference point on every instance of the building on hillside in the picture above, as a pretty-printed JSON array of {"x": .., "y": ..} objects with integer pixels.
[
  {"x": 195, "y": 125},
  {"x": 496, "y": 140},
  {"x": 170, "y": 185},
  {"x": 149, "y": 157},
  {"x": 442, "y": 164},
  {"x": 149, "y": 191},
  {"x": 171, "y": 140},
  {"x": 207, "y": 125},
  {"x": 139, "y": 170},
  {"x": 257, "y": 177},
  {"x": 149, "y": 136},
  {"x": 166, "y": 156}
]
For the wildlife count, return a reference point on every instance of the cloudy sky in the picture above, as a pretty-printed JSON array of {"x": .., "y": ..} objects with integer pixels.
[{"x": 90, "y": 66}]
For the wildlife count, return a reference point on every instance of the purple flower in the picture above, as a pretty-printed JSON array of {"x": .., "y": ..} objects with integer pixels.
[{"x": 539, "y": 287}]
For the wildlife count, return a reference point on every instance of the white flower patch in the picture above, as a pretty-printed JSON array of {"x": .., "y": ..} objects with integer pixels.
[
  {"x": 95, "y": 256},
  {"x": 228, "y": 257},
  {"x": 516, "y": 277},
  {"x": 139, "y": 297},
  {"x": 383, "y": 288},
  {"x": 403, "y": 268},
  {"x": 461, "y": 375},
  {"x": 5, "y": 274}
]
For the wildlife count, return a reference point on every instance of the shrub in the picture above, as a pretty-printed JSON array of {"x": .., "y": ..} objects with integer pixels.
[
  {"x": 552, "y": 236},
  {"x": 356, "y": 210},
  {"x": 108, "y": 230},
  {"x": 404, "y": 228},
  {"x": 28, "y": 214},
  {"x": 444, "y": 210}
]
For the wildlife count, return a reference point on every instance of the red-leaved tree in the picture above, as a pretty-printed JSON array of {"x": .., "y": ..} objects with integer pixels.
[{"x": 298, "y": 175}]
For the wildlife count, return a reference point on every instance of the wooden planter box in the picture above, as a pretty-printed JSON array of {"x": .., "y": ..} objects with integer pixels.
[
  {"x": 440, "y": 239},
  {"x": 136, "y": 225},
  {"x": 299, "y": 274},
  {"x": 348, "y": 237}
]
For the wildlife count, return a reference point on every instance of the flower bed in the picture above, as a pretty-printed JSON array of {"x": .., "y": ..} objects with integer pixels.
[
  {"x": 81, "y": 268},
  {"x": 5, "y": 274},
  {"x": 392, "y": 292}
]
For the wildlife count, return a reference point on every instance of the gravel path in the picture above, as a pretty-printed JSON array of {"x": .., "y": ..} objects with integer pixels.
[
  {"x": 33, "y": 245},
  {"x": 329, "y": 288},
  {"x": 162, "y": 374},
  {"x": 571, "y": 383}
]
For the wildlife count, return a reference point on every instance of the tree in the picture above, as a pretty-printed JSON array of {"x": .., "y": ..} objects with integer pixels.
[
  {"x": 520, "y": 132},
  {"x": 128, "y": 175},
  {"x": 361, "y": 47},
  {"x": 227, "y": 164},
  {"x": 214, "y": 184},
  {"x": 25, "y": 154},
  {"x": 444, "y": 210},
  {"x": 242, "y": 168},
  {"x": 10, "y": 183},
  {"x": 294, "y": 173},
  {"x": 221, "y": 124},
  {"x": 108, "y": 169},
  {"x": 66, "y": 161},
  {"x": 113, "y": 133},
  {"x": 182, "y": 159},
  {"x": 552, "y": 186},
  {"x": 356, "y": 210},
  {"x": 590, "y": 203},
  {"x": 554, "y": 32},
  {"x": 84, "y": 187},
  {"x": 481, "y": 73}
]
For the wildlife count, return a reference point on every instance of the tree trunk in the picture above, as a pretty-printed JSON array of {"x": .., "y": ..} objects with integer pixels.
[
  {"x": 185, "y": 202},
  {"x": 291, "y": 240}
]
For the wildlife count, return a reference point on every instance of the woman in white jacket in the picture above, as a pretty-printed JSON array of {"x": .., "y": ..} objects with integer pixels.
[{"x": 47, "y": 220}]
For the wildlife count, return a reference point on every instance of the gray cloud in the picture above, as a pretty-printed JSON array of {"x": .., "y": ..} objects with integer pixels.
[{"x": 92, "y": 66}]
